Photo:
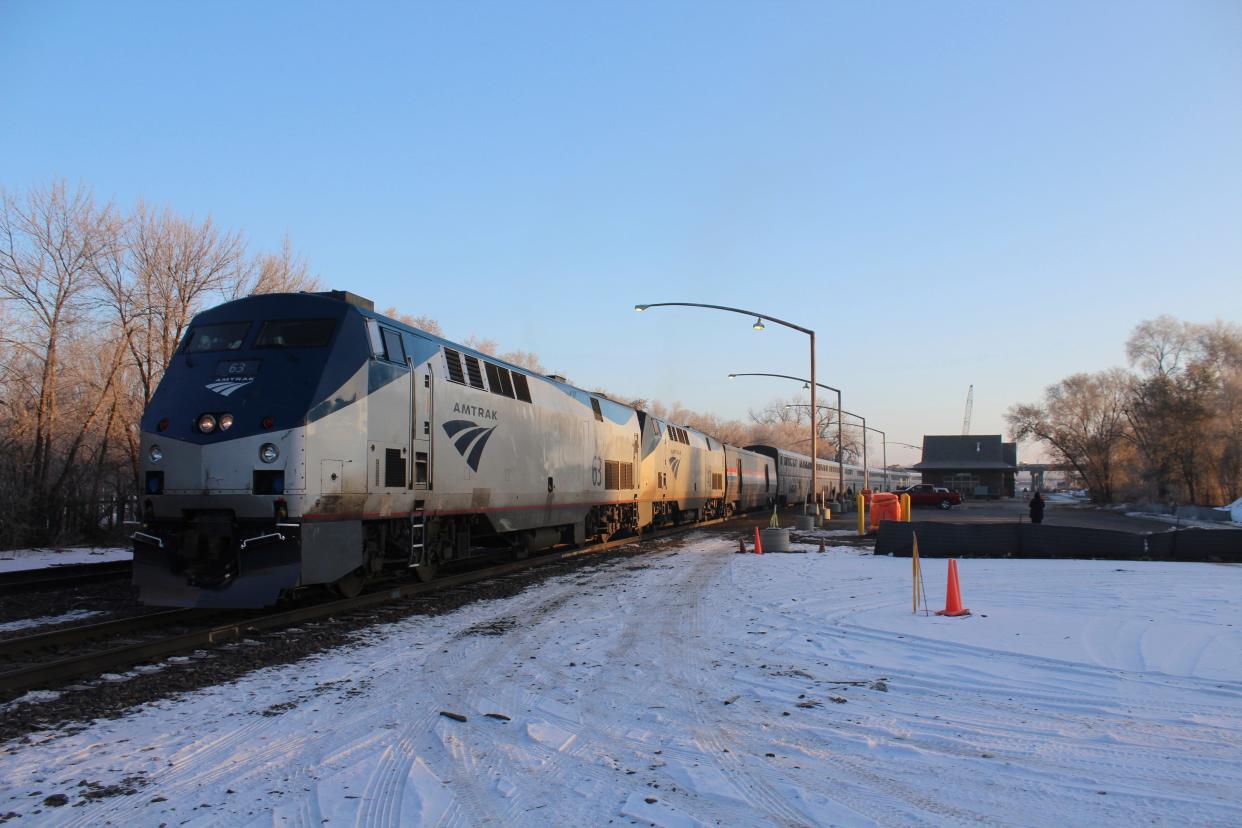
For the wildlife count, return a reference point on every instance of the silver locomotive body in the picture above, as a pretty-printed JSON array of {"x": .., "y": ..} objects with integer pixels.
[{"x": 369, "y": 447}]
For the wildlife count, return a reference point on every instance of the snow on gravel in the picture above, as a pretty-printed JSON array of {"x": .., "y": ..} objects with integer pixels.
[
  {"x": 14, "y": 560},
  {"x": 701, "y": 687},
  {"x": 48, "y": 620}
]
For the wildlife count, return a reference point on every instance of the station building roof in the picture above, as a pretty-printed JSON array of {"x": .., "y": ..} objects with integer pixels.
[{"x": 967, "y": 452}]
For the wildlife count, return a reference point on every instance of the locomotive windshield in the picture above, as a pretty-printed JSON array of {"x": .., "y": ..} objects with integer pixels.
[
  {"x": 295, "y": 333},
  {"x": 227, "y": 336}
]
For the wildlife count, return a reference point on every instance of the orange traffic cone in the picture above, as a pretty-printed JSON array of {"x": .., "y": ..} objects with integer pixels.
[
  {"x": 953, "y": 595},
  {"x": 758, "y": 543}
]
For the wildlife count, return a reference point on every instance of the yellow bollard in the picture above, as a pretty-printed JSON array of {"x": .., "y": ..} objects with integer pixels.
[
  {"x": 905, "y": 507},
  {"x": 862, "y": 515}
]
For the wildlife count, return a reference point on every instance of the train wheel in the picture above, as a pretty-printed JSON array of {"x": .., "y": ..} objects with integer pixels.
[{"x": 351, "y": 585}]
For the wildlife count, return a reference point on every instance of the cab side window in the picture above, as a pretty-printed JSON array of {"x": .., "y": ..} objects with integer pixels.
[{"x": 394, "y": 349}]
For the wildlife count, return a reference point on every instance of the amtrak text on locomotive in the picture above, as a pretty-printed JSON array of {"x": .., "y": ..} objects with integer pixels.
[{"x": 475, "y": 411}]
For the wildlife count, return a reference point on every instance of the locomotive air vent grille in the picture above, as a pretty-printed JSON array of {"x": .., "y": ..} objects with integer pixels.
[
  {"x": 618, "y": 475},
  {"x": 493, "y": 377},
  {"x": 475, "y": 372},
  {"x": 521, "y": 387},
  {"x": 717, "y": 480},
  {"x": 498, "y": 380},
  {"x": 453, "y": 359},
  {"x": 506, "y": 384}
]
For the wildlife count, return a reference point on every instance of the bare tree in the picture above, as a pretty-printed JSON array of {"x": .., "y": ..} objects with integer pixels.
[
  {"x": 283, "y": 272},
  {"x": 49, "y": 242},
  {"x": 483, "y": 345},
  {"x": 1082, "y": 420},
  {"x": 786, "y": 423},
  {"x": 1159, "y": 345},
  {"x": 1183, "y": 409},
  {"x": 159, "y": 276},
  {"x": 524, "y": 359},
  {"x": 423, "y": 323}
]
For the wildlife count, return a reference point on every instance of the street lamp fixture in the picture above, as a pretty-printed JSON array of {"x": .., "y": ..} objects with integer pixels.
[{"x": 758, "y": 326}]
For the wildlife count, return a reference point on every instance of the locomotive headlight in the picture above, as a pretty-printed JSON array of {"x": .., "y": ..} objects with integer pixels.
[
  {"x": 268, "y": 453},
  {"x": 206, "y": 423},
  {"x": 226, "y": 422},
  {"x": 156, "y": 454}
]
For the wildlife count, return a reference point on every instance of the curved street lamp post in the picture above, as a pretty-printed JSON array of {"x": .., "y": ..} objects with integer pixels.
[{"x": 759, "y": 317}]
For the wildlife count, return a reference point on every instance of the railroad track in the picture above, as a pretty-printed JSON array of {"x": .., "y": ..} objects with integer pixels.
[
  {"x": 53, "y": 577},
  {"x": 46, "y": 674}
]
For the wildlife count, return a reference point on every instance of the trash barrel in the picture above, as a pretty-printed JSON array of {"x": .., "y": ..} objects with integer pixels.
[{"x": 884, "y": 506}]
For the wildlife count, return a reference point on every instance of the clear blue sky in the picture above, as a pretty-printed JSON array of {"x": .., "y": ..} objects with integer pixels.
[{"x": 949, "y": 193}]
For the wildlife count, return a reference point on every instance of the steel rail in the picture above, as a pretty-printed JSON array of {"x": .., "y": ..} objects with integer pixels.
[
  {"x": 45, "y": 674},
  {"x": 12, "y": 647},
  {"x": 53, "y": 575}
]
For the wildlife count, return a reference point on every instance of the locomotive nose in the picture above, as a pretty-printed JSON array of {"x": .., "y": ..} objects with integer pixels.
[{"x": 264, "y": 463}]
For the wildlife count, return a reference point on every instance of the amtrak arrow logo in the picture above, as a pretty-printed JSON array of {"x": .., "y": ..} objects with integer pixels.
[
  {"x": 226, "y": 387},
  {"x": 473, "y": 437},
  {"x": 675, "y": 462}
]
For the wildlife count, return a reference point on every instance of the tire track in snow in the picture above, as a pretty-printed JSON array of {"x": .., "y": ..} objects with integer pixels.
[
  {"x": 479, "y": 765},
  {"x": 869, "y": 795},
  {"x": 681, "y": 624}
]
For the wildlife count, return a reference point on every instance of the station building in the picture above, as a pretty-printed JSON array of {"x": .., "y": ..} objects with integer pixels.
[{"x": 976, "y": 465}]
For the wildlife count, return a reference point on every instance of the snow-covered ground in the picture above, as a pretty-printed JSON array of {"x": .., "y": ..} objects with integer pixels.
[
  {"x": 697, "y": 686},
  {"x": 12, "y": 560}
]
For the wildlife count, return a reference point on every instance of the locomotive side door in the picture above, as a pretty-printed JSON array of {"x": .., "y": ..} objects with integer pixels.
[{"x": 420, "y": 425}]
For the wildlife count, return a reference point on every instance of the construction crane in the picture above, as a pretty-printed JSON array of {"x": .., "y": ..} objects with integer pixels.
[{"x": 970, "y": 407}]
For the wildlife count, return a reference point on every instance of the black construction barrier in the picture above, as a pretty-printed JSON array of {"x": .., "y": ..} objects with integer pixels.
[
  {"x": 948, "y": 540},
  {"x": 1036, "y": 540},
  {"x": 1027, "y": 540},
  {"x": 1207, "y": 545}
]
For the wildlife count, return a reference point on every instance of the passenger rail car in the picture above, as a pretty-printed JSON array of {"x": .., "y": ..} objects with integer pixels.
[{"x": 794, "y": 475}]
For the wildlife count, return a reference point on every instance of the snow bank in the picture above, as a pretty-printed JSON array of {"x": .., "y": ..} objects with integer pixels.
[{"x": 13, "y": 560}]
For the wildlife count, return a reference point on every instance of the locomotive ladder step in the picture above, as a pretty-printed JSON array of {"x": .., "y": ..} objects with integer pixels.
[{"x": 418, "y": 536}]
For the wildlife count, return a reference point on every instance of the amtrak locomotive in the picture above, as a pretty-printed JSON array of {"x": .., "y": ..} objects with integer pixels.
[{"x": 301, "y": 440}]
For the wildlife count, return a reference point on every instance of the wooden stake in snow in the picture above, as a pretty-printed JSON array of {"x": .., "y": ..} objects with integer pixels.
[{"x": 917, "y": 576}]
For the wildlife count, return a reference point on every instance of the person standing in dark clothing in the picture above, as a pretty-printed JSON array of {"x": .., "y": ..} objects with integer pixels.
[{"x": 1037, "y": 509}]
